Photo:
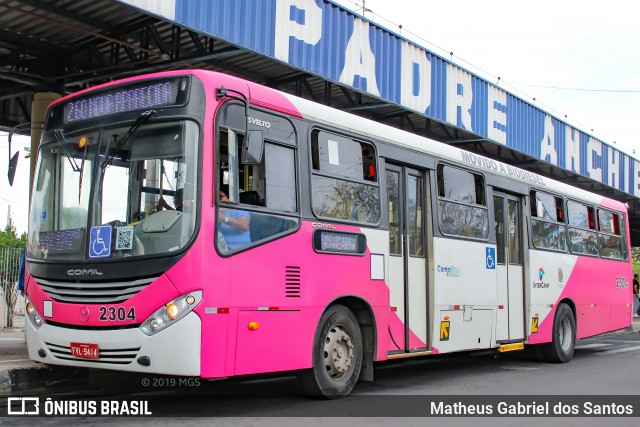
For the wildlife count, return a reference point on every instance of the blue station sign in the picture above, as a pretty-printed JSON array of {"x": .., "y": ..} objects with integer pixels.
[{"x": 325, "y": 39}]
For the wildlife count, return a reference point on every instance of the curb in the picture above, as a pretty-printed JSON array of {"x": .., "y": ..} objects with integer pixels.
[{"x": 25, "y": 379}]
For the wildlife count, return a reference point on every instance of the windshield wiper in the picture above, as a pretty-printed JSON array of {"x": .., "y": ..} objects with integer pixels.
[
  {"x": 142, "y": 119},
  {"x": 106, "y": 161},
  {"x": 59, "y": 134},
  {"x": 103, "y": 165},
  {"x": 84, "y": 156}
]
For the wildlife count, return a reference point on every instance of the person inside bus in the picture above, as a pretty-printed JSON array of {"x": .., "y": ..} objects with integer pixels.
[
  {"x": 636, "y": 302},
  {"x": 180, "y": 204},
  {"x": 233, "y": 224}
]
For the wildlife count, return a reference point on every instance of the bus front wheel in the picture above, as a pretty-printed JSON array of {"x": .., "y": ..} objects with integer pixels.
[
  {"x": 337, "y": 355},
  {"x": 564, "y": 336}
]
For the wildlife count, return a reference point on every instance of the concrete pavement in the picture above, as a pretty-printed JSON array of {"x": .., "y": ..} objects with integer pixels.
[{"x": 20, "y": 375}]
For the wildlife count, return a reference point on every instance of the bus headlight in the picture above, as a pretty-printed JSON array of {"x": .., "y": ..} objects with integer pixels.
[
  {"x": 33, "y": 315},
  {"x": 171, "y": 312}
]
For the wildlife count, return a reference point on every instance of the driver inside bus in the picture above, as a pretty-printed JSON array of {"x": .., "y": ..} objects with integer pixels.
[
  {"x": 233, "y": 224},
  {"x": 180, "y": 204}
]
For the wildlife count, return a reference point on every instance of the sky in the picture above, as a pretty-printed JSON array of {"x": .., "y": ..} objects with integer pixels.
[
  {"x": 17, "y": 196},
  {"x": 577, "y": 58}
]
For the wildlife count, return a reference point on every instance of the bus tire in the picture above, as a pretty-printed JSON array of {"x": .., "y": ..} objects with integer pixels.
[
  {"x": 337, "y": 355},
  {"x": 561, "y": 349}
]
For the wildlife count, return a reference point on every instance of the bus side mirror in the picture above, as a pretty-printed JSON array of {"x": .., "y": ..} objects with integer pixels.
[
  {"x": 13, "y": 164},
  {"x": 253, "y": 148},
  {"x": 13, "y": 160}
]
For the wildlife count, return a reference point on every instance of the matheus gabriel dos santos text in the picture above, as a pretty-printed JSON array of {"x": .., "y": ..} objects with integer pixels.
[{"x": 532, "y": 408}]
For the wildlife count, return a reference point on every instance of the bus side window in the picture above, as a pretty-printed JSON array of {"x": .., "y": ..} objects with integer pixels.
[
  {"x": 583, "y": 238},
  {"x": 609, "y": 236},
  {"x": 344, "y": 178},
  {"x": 547, "y": 221},
  {"x": 462, "y": 204},
  {"x": 269, "y": 184}
]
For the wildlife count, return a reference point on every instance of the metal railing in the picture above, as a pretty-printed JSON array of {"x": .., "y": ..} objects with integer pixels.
[{"x": 11, "y": 300}]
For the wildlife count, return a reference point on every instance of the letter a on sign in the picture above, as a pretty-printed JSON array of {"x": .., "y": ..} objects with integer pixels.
[{"x": 444, "y": 330}]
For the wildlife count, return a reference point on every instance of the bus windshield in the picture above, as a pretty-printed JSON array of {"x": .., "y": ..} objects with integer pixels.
[{"x": 113, "y": 192}]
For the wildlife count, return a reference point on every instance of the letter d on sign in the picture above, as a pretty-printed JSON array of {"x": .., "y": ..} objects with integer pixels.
[
  {"x": 301, "y": 19},
  {"x": 416, "y": 78}
]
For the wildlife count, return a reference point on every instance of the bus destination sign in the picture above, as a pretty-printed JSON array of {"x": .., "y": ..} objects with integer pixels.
[
  {"x": 339, "y": 242},
  {"x": 122, "y": 100}
]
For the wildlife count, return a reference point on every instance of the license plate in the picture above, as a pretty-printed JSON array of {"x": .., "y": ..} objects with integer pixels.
[{"x": 85, "y": 351}]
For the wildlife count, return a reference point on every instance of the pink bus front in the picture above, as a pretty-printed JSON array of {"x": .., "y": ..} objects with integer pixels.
[{"x": 128, "y": 265}]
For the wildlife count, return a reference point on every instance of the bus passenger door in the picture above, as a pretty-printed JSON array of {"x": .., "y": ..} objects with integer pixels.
[
  {"x": 407, "y": 259},
  {"x": 507, "y": 211}
]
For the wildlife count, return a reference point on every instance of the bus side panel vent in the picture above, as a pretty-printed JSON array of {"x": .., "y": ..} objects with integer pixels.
[{"x": 292, "y": 282}]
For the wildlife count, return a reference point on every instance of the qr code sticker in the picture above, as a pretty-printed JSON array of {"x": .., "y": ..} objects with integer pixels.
[{"x": 124, "y": 238}]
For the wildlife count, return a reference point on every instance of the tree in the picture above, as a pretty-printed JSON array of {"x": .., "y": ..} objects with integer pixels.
[
  {"x": 635, "y": 258},
  {"x": 9, "y": 238},
  {"x": 10, "y": 251}
]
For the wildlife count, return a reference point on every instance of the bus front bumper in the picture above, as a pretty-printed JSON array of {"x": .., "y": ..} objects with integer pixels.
[{"x": 172, "y": 351}]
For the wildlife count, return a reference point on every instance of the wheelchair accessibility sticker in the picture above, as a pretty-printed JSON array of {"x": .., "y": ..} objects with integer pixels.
[
  {"x": 491, "y": 258},
  {"x": 100, "y": 242}
]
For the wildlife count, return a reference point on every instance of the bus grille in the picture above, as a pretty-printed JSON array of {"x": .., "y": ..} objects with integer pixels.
[
  {"x": 93, "y": 293},
  {"x": 121, "y": 356},
  {"x": 292, "y": 282}
]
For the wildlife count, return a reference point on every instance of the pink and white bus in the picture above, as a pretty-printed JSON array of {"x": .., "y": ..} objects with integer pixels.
[{"x": 197, "y": 224}]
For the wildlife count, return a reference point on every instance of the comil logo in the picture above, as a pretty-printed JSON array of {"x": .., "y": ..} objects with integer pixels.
[
  {"x": 23, "y": 406},
  {"x": 84, "y": 272}
]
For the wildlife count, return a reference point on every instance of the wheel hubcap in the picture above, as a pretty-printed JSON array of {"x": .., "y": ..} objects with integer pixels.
[
  {"x": 338, "y": 352},
  {"x": 565, "y": 334}
]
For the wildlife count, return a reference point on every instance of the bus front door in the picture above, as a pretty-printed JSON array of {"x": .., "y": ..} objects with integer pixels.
[
  {"x": 510, "y": 270},
  {"x": 407, "y": 259}
]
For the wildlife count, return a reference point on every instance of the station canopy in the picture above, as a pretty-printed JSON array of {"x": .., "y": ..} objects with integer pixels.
[{"x": 315, "y": 49}]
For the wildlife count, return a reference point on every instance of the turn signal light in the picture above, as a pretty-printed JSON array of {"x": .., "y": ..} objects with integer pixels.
[
  {"x": 172, "y": 311},
  {"x": 253, "y": 326}
]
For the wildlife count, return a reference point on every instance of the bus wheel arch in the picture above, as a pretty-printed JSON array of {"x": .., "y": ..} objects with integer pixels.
[
  {"x": 366, "y": 320},
  {"x": 345, "y": 330},
  {"x": 562, "y": 345}
]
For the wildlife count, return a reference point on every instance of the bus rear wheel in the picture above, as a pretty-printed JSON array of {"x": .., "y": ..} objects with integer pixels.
[
  {"x": 564, "y": 337},
  {"x": 337, "y": 355}
]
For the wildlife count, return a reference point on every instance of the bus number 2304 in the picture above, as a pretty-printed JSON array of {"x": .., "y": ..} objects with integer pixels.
[{"x": 117, "y": 313}]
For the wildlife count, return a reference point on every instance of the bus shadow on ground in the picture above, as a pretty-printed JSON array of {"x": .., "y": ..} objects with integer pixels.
[{"x": 387, "y": 374}]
